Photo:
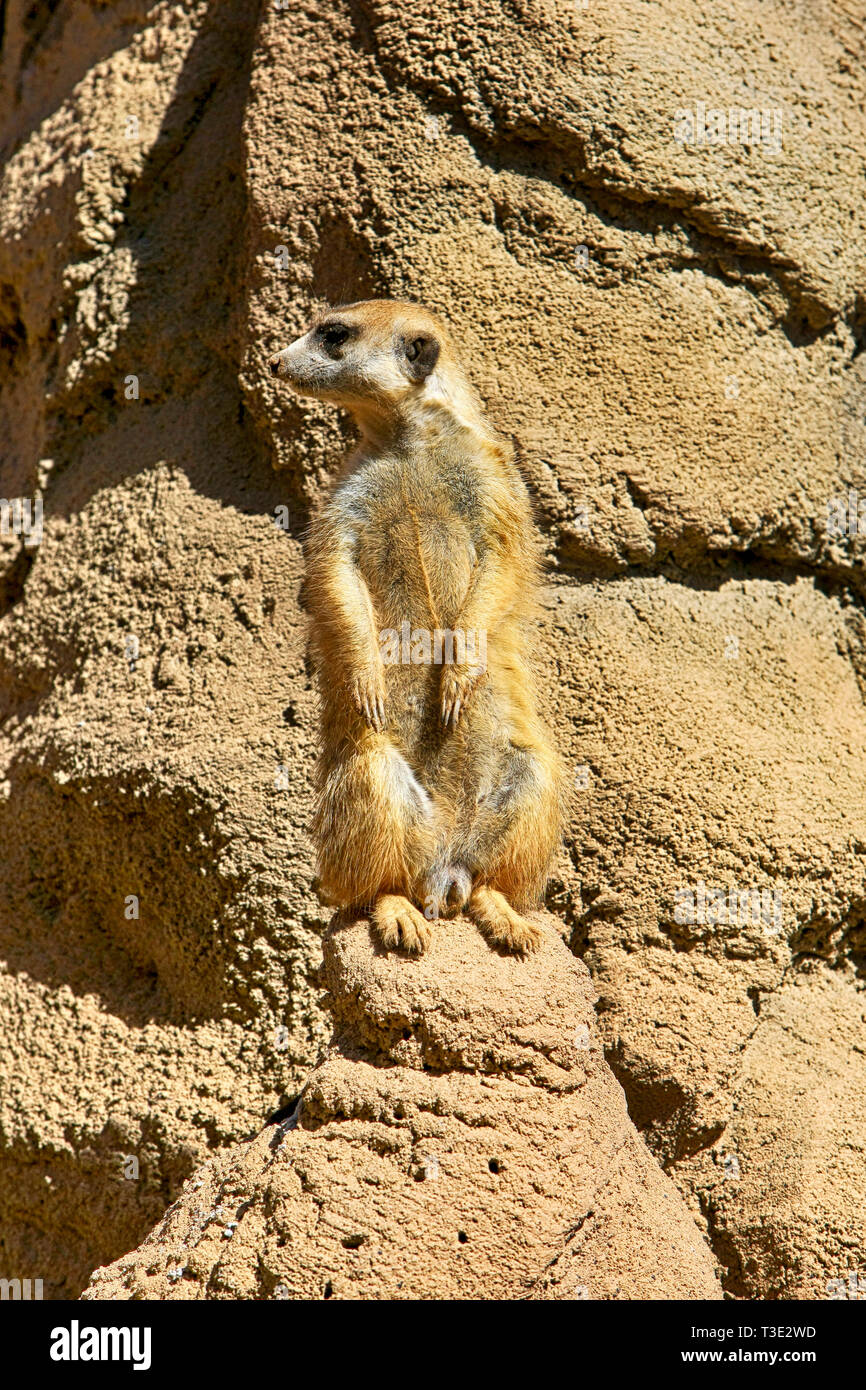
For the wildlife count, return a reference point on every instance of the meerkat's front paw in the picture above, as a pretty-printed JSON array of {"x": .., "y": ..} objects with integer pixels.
[
  {"x": 369, "y": 696},
  {"x": 500, "y": 923},
  {"x": 457, "y": 688},
  {"x": 401, "y": 924}
]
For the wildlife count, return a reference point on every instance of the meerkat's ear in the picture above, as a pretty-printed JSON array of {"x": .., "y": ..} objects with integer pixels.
[{"x": 418, "y": 354}]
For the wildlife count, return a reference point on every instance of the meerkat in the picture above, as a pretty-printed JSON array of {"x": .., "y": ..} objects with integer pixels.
[{"x": 438, "y": 790}]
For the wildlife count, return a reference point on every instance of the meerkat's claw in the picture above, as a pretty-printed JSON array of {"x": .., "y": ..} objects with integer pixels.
[
  {"x": 401, "y": 924},
  {"x": 456, "y": 693},
  {"x": 492, "y": 912},
  {"x": 369, "y": 701},
  {"x": 450, "y": 713}
]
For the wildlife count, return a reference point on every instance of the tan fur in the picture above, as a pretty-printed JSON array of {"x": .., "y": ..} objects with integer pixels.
[{"x": 437, "y": 787}]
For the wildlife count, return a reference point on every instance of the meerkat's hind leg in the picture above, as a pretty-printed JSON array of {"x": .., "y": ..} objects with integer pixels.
[
  {"x": 502, "y": 926},
  {"x": 399, "y": 923}
]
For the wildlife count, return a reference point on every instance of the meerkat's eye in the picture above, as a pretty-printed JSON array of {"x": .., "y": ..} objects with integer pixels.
[{"x": 334, "y": 335}]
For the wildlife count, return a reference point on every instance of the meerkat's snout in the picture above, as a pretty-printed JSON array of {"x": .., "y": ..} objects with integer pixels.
[{"x": 291, "y": 363}]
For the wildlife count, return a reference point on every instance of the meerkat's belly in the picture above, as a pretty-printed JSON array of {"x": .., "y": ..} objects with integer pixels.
[
  {"x": 418, "y": 568},
  {"x": 419, "y": 560}
]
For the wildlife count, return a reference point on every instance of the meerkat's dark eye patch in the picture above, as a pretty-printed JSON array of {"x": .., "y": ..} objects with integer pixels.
[
  {"x": 333, "y": 336},
  {"x": 420, "y": 355}
]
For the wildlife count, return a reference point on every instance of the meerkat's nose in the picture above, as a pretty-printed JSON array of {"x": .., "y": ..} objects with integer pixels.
[{"x": 275, "y": 363}]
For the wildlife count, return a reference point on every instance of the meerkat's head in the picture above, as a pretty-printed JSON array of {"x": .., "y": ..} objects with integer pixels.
[{"x": 375, "y": 357}]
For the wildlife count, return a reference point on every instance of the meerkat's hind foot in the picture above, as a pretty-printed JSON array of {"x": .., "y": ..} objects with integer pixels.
[
  {"x": 400, "y": 924},
  {"x": 499, "y": 922}
]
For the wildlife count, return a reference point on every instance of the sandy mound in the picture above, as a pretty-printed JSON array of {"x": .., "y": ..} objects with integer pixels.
[{"x": 461, "y": 1138}]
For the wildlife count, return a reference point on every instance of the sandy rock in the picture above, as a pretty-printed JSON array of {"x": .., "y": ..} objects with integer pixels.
[
  {"x": 156, "y": 716},
  {"x": 794, "y": 1147},
  {"x": 672, "y": 334},
  {"x": 726, "y": 754},
  {"x": 671, "y": 330},
  {"x": 462, "y": 1137}
]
